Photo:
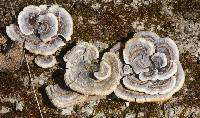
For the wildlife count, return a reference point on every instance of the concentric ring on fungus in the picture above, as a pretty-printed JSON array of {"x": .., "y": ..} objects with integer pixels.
[
  {"x": 63, "y": 98},
  {"x": 45, "y": 61},
  {"x": 40, "y": 27},
  {"x": 157, "y": 73},
  {"x": 81, "y": 75}
]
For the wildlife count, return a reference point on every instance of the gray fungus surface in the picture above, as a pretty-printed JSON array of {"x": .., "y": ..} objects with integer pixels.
[{"x": 143, "y": 68}]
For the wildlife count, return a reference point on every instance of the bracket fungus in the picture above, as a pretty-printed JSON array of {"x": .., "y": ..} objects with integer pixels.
[
  {"x": 84, "y": 76},
  {"x": 45, "y": 61},
  {"x": 41, "y": 28},
  {"x": 104, "y": 71},
  {"x": 116, "y": 49},
  {"x": 153, "y": 71},
  {"x": 63, "y": 98}
]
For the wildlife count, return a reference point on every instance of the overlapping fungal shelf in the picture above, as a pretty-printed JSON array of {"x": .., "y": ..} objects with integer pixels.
[
  {"x": 40, "y": 28},
  {"x": 45, "y": 61},
  {"x": 146, "y": 69},
  {"x": 85, "y": 77},
  {"x": 152, "y": 69},
  {"x": 63, "y": 97}
]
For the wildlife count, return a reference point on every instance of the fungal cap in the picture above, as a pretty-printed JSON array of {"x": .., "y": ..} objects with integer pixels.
[
  {"x": 145, "y": 76},
  {"x": 91, "y": 52},
  {"x": 104, "y": 71},
  {"x": 137, "y": 46},
  {"x": 44, "y": 48},
  {"x": 133, "y": 96},
  {"x": 65, "y": 21},
  {"x": 82, "y": 48},
  {"x": 168, "y": 72},
  {"x": 24, "y": 16},
  {"x": 148, "y": 35},
  {"x": 116, "y": 49},
  {"x": 164, "y": 93},
  {"x": 48, "y": 27},
  {"x": 79, "y": 79},
  {"x": 141, "y": 64},
  {"x": 62, "y": 98},
  {"x": 180, "y": 77},
  {"x": 14, "y": 33},
  {"x": 149, "y": 87},
  {"x": 160, "y": 59},
  {"x": 164, "y": 77},
  {"x": 168, "y": 43},
  {"x": 45, "y": 61}
]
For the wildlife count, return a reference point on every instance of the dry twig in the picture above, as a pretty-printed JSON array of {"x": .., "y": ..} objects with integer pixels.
[{"x": 33, "y": 87}]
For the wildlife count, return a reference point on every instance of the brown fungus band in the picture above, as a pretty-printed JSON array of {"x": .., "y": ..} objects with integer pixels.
[{"x": 153, "y": 71}]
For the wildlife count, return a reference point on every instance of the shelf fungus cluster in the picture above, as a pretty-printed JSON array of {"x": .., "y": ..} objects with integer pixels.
[
  {"x": 147, "y": 70},
  {"x": 152, "y": 71},
  {"x": 86, "y": 76},
  {"x": 43, "y": 30}
]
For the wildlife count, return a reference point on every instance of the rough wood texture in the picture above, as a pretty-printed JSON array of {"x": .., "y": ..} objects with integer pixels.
[{"x": 108, "y": 21}]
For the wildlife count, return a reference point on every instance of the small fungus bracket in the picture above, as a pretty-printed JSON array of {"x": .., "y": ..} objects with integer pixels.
[{"x": 157, "y": 72}]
